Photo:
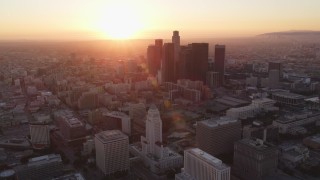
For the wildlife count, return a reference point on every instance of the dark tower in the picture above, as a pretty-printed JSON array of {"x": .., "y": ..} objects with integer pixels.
[
  {"x": 168, "y": 63},
  {"x": 198, "y": 67},
  {"x": 219, "y": 59}
]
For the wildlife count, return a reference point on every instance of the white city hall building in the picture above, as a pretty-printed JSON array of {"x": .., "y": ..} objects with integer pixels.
[
  {"x": 199, "y": 165},
  {"x": 152, "y": 150}
]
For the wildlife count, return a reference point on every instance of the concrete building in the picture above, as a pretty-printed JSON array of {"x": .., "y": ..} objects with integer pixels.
[
  {"x": 286, "y": 98},
  {"x": 254, "y": 159},
  {"x": 71, "y": 128},
  {"x": 290, "y": 121},
  {"x": 216, "y": 136},
  {"x": 88, "y": 100},
  {"x": 39, "y": 168},
  {"x": 256, "y": 106},
  {"x": 293, "y": 155},
  {"x": 152, "y": 150},
  {"x": 201, "y": 165},
  {"x": 112, "y": 151}
]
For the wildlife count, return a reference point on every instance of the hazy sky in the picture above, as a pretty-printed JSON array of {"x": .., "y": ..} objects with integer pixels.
[{"x": 96, "y": 19}]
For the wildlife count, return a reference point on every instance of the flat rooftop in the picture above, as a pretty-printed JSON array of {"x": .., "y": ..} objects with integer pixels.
[
  {"x": 44, "y": 159},
  {"x": 219, "y": 121},
  {"x": 230, "y": 101},
  {"x": 217, "y": 163},
  {"x": 256, "y": 144},
  {"x": 74, "y": 122},
  {"x": 109, "y": 136},
  {"x": 288, "y": 95}
]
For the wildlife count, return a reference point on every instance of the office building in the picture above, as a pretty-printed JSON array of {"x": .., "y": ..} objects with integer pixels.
[
  {"x": 167, "y": 66},
  {"x": 198, "y": 67},
  {"x": 219, "y": 60},
  {"x": 201, "y": 165},
  {"x": 112, "y": 152},
  {"x": 216, "y": 136},
  {"x": 176, "y": 43},
  {"x": 71, "y": 128},
  {"x": 152, "y": 150},
  {"x": 158, "y": 55},
  {"x": 43, "y": 167},
  {"x": 254, "y": 159},
  {"x": 151, "y": 59}
]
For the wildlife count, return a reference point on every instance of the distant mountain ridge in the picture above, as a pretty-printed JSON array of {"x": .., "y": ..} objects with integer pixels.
[{"x": 291, "y": 33}]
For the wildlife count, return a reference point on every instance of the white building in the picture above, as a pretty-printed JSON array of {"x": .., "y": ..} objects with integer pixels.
[
  {"x": 112, "y": 151},
  {"x": 199, "y": 165},
  {"x": 257, "y": 105},
  {"x": 40, "y": 135},
  {"x": 152, "y": 150}
]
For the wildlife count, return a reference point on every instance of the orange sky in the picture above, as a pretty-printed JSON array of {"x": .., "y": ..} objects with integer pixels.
[{"x": 116, "y": 19}]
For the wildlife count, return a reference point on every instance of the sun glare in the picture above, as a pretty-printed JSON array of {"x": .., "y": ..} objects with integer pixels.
[{"x": 120, "y": 22}]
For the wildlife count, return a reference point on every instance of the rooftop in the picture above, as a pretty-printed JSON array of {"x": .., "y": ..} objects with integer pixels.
[
  {"x": 256, "y": 144},
  {"x": 112, "y": 135},
  {"x": 288, "y": 95},
  {"x": 218, "y": 121},
  {"x": 217, "y": 163},
  {"x": 44, "y": 159}
]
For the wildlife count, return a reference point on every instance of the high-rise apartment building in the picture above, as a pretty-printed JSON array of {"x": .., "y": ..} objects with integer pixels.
[
  {"x": 216, "y": 136},
  {"x": 219, "y": 61},
  {"x": 254, "y": 159},
  {"x": 201, "y": 165},
  {"x": 112, "y": 151}
]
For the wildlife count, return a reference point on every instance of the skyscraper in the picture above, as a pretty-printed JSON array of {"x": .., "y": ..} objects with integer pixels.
[
  {"x": 197, "y": 65},
  {"x": 167, "y": 66},
  {"x": 185, "y": 60},
  {"x": 151, "y": 59},
  {"x": 176, "y": 42},
  {"x": 201, "y": 165},
  {"x": 158, "y": 54},
  {"x": 219, "y": 59},
  {"x": 112, "y": 151}
]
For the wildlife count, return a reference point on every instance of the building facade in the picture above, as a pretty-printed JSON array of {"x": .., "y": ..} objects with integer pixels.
[
  {"x": 112, "y": 151},
  {"x": 201, "y": 165}
]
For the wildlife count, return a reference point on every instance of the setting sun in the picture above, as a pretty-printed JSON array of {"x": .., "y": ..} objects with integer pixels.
[{"x": 120, "y": 22}]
